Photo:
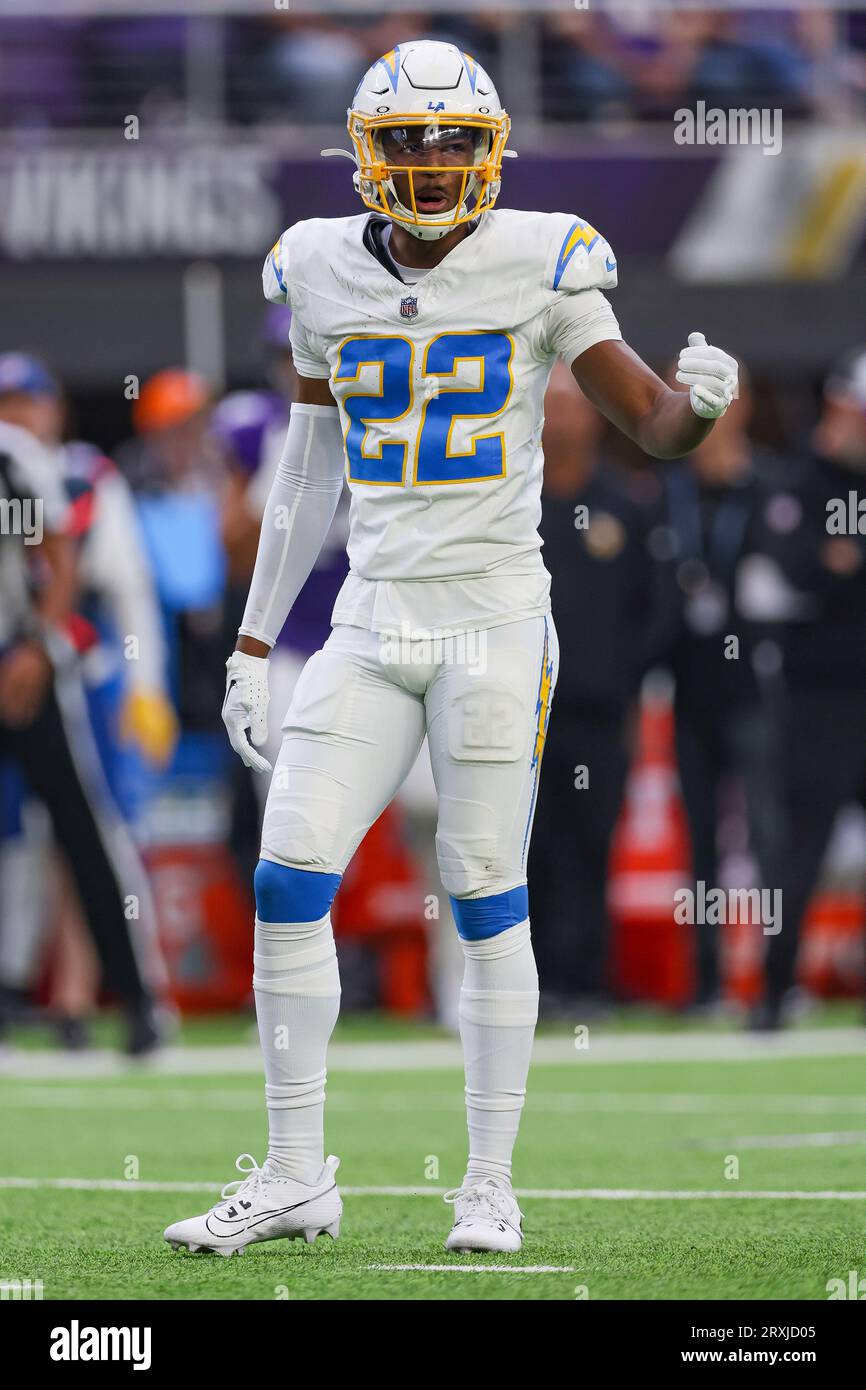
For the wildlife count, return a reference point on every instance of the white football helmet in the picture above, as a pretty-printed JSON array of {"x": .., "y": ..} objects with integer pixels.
[{"x": 410, "y": 102}]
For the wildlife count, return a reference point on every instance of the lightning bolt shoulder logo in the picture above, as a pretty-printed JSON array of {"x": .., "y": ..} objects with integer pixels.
[{"x": 580, "y": 234}]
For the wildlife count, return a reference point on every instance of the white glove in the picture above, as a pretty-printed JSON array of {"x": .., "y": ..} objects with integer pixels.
[
  {"x": 711, "y": 376},
  {"x": 246, "y": 707}
]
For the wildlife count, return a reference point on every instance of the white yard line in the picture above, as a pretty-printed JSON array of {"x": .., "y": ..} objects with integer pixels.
[
  {"x": 818, "y": 1140},
  {"x": 42, "y": 1096},
  {"x": 566, "y": 1194},
  {"x": 443, "y": 1054},
  {"x": 22, "y": 1094}
]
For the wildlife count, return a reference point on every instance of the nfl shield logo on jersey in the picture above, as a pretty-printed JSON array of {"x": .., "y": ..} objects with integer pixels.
[{"x": 409, "y": 307}]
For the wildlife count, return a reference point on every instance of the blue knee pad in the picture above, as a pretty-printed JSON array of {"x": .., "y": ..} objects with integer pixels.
[
  {"x": 292, "y": 895},
  {"x": 478, "y": 918}
]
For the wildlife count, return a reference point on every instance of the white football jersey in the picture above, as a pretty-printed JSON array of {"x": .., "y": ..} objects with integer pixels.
[{"x": 440, "y": 387}]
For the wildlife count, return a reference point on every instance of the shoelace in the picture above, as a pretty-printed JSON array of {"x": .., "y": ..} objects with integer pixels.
[
  {"x": 485, "y": 1194},
  {"x": 249, "y": 1185}
]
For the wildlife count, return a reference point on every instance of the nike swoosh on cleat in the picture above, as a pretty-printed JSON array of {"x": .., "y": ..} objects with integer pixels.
[{"x": 265, "y": 1215}]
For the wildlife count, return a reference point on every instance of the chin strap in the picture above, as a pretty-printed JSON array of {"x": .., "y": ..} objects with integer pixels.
[{"x": 422, "y": 231}]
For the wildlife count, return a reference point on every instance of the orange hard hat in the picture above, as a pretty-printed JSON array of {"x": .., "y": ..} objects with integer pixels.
[{"x": 169, "y": 398}]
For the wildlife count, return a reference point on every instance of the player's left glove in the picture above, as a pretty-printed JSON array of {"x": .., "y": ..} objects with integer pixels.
[
  {"x": 711, "y": 376},
  {"x": 246, "y": 707}
]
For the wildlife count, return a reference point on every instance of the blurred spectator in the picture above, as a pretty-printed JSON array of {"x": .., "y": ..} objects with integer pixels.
[
  {"x": 720, "y": 655},
  {"x": 607, "y": 610},
  {"x": 120, "y": 640},
  {"x": 585, "y": 65},
  {"x": 632, "y": 62},
  {"x": 311, "y": 65},
  {"x": 387, "y": 30},
  {"x": 44, "y": 724},
  {"x": 836, "y": 69},
  {"x": 180, "y": 474},
  {"x": 744, "y": 64},
  {"x": 823, "y": 731}
]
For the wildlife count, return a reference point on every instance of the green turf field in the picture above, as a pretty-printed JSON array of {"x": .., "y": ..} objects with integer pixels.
[{"x": 618, "y": 1128}]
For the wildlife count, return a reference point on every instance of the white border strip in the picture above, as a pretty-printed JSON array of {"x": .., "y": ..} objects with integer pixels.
[{"x": 445, "y": 1053}]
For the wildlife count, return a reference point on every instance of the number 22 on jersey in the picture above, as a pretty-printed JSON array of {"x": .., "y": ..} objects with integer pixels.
[{"x": 435, "y": 460}]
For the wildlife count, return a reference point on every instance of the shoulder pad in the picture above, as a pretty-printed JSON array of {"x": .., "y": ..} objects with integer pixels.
[
  {"x": 290, "y": 256},
  {"x": 580, "y": 258},
  {"x": 275, "y": 271}
]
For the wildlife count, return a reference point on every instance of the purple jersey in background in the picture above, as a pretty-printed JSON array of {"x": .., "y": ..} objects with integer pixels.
[{"x": 253, "y": 424}]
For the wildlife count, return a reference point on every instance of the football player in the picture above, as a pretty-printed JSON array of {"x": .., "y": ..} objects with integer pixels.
[{"x": 424, "y": 330}]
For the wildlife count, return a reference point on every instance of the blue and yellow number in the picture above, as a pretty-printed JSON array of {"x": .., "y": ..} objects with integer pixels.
[
  {"x": 435, "y": 462},
  {"x": 393, "y": 400}
]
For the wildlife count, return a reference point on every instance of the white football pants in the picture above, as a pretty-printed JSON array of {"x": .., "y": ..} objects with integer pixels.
[{"x": 354, "y": 728}]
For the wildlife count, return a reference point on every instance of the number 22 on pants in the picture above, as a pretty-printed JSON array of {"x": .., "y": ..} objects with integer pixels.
[{"x": 435, "y": 460}]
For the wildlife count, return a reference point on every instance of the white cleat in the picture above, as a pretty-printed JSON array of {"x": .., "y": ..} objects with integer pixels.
[
  {"x": 486, "y": 1217},
  {"x": 263, "y": 1207}
]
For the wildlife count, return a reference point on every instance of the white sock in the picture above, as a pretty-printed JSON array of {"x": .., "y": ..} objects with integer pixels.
[
  {"x": 498, "y": 1013},
  {"x": 297, "y": 988}
]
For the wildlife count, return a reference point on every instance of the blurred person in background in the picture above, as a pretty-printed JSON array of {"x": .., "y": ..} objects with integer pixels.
[
  {"x": 590, "y": 79},
  {"x": 822, "y": 551},
  {"x": 119, "y": 636},
  {"x": 309, "y": 60},
  {"x": 744, "y": 61},
  {"x": 835, "y": 66},
  {"x": 649, "y": 63},
  {"x": 607, "y": 605},
  {"x": 45, "y": 724},
  {"x": 180, "y": 475},
  {"x": 725, "y": 711}
]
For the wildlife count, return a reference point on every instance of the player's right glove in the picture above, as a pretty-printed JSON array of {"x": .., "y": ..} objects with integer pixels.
[
  {"x": 711, "y": 376},
  {"x": 245, "y": 707}
]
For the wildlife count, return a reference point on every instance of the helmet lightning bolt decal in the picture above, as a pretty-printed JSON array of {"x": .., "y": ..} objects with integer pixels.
[
  {"x": 391, "y": 63},
  {"x": 471, "y": 66}
]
